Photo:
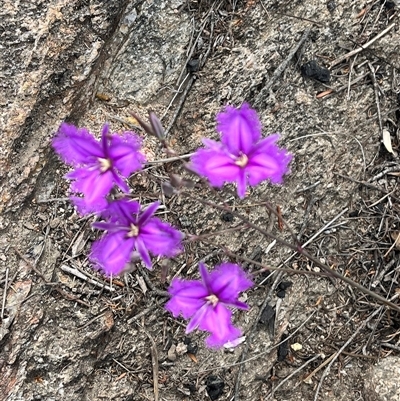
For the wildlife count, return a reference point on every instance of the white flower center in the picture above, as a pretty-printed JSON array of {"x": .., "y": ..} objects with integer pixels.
[
  {"x": 134, "y": 232},
  {"x": 105, "y": 164},
  {"x": 212, "y": 299},
  {"x": 242, "y": 160}
]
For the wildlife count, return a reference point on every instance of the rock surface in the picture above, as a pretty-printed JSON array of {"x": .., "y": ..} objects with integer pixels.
[
  {"x": 48, "y": 49},
  {"x": 383, "y": 381},
  {"x": 149, "y": 52}
]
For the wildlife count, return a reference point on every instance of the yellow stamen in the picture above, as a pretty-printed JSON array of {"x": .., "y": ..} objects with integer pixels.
[
  {"x": 212, "y": 299},
  {"x": 242, "y": 160},
  {"x": 105, "y": 164},
  {"x": 134, "y": 231}
]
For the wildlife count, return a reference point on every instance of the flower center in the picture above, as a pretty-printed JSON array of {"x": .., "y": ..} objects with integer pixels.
[
  {"x": 242, "y": 160},
  {"x": 134, "y": 232},
  {"x": 212, "y": 299},
  {"x": 105, "y": 164}
]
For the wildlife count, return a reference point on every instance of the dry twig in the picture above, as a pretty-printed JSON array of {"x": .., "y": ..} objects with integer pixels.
[
  {"x": 77, "y": 273},
  {"x": 292, "y": 374},
  {"x": 362, "y": 47},
  {"x": 281, "y": 68},
  {"x": 336, "y": 354},
  {"x": 154, "y": 361},
  {"x": 376, "y": 91},
  {"x": 299, "y": 249},
  {"x": 3, "y": 305},
  {"x": 54, "y": 285}
]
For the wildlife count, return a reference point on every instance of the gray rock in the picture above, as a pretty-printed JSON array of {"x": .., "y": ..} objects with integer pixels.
[
  {"x": 388, "y": 48},
  {"x": 383, "y": 381},
  {"x": 151, "y": 51}
]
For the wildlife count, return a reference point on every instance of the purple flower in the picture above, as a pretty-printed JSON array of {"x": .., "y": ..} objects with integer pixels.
[
  {"x": 241, "y": 156},
  {"x": 206, "y": 301},
  {"x": 98, "y": 165},
  {"x": 131, "y": 235}
]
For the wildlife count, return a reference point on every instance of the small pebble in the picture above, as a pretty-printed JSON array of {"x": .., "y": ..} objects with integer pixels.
[
  {"x": 171, "y": 355},
  {"x": 181, "y": 349},
  {"x": 54, "y": 222}
]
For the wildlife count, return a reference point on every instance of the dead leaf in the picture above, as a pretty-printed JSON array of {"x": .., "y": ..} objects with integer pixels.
[
  {"x": 396, "y": 238},
  {"x": 280, "y": 219},
  {"x": 103, "y": 97},
  {"x": 119, "y": 283},
  {"x": 361, "y": 13},
  {"x": 132, "y": 120},
  {"x": 78, "y": 245},
  {"x": 319, "y": 300},
  {"x": 387, "y": 141},
  {"x": 108, "y": 321},
  {"x": 324, "y": 93},
  {"x": 142, "y": 284}
]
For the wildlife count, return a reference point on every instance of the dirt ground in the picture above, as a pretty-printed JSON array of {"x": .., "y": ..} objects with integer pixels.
[{"x": 68, "y": 333}]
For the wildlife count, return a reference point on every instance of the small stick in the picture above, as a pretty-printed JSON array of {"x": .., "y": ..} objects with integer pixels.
[
  {"x": 362, "y": 152},
  {"x": 302, "y": 19},
  {"x": 392, "y": 346},
  {"x": 308, "y": 188},
  {"x": 180, "y": 105},
  {"x": 154, "y": 361},
  {"x": 171, "y": 159},
  {"x": 147, "y": 280},
  {"x": 362, "y": 47},
  {"x": 193, "y": 77},
  {"x": 300, "y": 250},
  {"x": 210, "y": 41},
  {"x": 201, "y": 237},
  {"x": 265, "y": 268},
  {"x": 193, "y": 47},
  {"x": 368, "y": 185},
  {"x": 310, "y": 240},
  {"x": 376, "y": 91},
  {"x": 53, "y": 200},
  {"x": 336, "y": 354},
  {"x": 123, "y": 366},
  {"x": 312, "y": 374},
  {"x": 12, "y": 278},
  {"x": 292, "y": 374},
  {"x": 77, "y": 273},
  {"x": 380, "y": 200},
  {"x": 342, "y": 88},
  {"x": 384, "y": 172},
  {"x": 395, "y": 243},
  {"x": 145, "y": 311},
  {"x": 177, "y": 92},
  {"x": 30, "y": 264},
  {"x": 55, "y": 285},
  {"x": 4, "y": 296},
  {"x": 66, "y": 295},
  {"x": 311, "y": 203},
  {"x": 321, "y": 230},
  {"x": 281, "y": 68},
  {"x": 253, "y": 358},
  {"x": 101, "y": 314},
  {"x": 349, "y": 80}
]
